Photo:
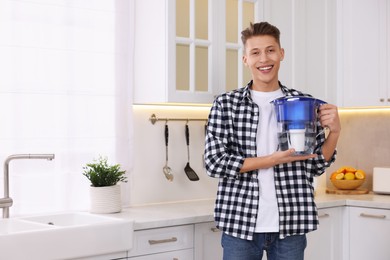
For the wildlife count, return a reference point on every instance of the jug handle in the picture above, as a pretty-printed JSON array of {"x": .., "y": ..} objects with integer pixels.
[{"x": 322, "y": 131}]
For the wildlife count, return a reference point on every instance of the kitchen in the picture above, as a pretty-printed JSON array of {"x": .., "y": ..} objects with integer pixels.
[{"x": 70, "y": 83}]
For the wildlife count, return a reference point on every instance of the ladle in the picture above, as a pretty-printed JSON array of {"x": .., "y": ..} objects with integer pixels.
[
  {"x": 191, "y": 174},
  {"x": 167, "y": 170}
]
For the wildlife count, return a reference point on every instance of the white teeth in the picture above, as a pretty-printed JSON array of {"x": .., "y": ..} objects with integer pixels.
[{"x": 266, "y": 68}]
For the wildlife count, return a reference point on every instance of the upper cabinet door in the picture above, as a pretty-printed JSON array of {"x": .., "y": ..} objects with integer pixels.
[
  {"x": 238, "y": 16},
  {"x": 308, "y": 36},
  {"x": 364, "y": 59},
  {"x": 173, "y": 51},
  {"x": 188, "y": 51}
]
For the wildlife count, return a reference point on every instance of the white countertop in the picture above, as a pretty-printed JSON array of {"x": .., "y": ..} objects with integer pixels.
[{"x": 190, "y": 212}]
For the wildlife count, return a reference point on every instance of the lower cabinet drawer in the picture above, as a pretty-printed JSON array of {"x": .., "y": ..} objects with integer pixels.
[
  {"x": 159, "y": 240},
  {"x": 176, "y": 255}
]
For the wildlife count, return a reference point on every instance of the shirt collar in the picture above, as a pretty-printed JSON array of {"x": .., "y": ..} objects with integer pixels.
[{"x": 247, "y": 93}]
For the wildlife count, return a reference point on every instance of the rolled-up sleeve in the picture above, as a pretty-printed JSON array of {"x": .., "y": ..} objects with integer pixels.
[{"x": 221, "y": 159}]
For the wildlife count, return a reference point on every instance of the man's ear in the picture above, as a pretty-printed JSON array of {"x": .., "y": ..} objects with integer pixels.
[{"x": 244, "y": 61}]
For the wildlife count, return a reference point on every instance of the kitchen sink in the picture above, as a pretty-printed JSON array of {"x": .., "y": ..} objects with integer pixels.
[
  {"x": 64, "y": 236},
  {"x": 69, "y": 219},
  {"x": 13, "y": 226}
]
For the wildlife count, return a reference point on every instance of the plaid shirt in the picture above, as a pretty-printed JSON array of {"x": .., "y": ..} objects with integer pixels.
[{"x": 231, "y": 137}]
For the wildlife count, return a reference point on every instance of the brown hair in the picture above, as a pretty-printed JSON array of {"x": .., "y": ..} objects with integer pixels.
[{"x": 262, "y": 28}]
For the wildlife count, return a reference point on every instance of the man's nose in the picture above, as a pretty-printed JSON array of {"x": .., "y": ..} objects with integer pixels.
[{"x": 263, "y": 57}]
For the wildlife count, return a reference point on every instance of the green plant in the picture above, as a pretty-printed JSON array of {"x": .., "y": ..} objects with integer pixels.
[{"x": 101, "y": 174}]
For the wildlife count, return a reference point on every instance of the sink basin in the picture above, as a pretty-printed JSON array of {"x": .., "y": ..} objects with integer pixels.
[
  {"x": 13, "y": 226},
  {"x": 64, "y": 236},
  {"x": 69, "y": 219}
]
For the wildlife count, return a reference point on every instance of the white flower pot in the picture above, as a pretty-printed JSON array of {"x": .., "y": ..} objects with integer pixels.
[{"x": 105, "y": 199}]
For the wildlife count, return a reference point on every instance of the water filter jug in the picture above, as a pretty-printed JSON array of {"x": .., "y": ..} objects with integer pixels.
[{"x": 297, "y": 122}]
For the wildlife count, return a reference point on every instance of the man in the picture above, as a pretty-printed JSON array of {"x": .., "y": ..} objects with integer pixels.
[{"x": 265, "y": 197}]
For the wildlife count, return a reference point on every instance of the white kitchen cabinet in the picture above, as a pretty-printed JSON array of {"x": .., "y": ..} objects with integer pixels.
[
  {"x": 364, "y": 46},
  {"x": 162, "y": 242},
  {"x": 173, "y": 61},
  {"x": 188, "y": 51},
  {"x": 308, "y": 36},
  {"x": 207, "y": 242},
  {"x": 326, "y": 242},
  {"x": 369, "y": 233},
  {"x": 336, "y": 50}
]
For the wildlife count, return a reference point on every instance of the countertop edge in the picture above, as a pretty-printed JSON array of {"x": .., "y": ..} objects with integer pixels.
[{"x": 198, "y": 211}]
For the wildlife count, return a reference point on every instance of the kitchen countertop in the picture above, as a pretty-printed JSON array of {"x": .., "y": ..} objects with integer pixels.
[{"x": 190, "y": 212}]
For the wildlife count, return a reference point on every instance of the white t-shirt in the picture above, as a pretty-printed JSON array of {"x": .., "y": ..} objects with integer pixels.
[{"x": 267, "y": 143}]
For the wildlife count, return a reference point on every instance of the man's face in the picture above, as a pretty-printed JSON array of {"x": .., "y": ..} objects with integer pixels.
[{"x": 262, "y": 56}]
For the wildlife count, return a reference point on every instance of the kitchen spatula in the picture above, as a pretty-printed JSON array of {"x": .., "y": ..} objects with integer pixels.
[{"x": 191, "y": 174}]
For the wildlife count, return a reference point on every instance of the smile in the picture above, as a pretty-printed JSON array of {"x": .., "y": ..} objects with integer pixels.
[{"x": 265, "y": 68}]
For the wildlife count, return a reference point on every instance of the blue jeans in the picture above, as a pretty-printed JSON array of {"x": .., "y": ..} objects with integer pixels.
[{"x": 289, "y": 248}]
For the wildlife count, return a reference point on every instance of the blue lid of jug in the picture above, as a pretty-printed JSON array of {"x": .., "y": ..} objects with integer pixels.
[{"x": 296, "y": 109}]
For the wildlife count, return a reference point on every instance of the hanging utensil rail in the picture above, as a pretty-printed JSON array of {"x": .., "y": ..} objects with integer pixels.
[{"x": 153, "y": 118}]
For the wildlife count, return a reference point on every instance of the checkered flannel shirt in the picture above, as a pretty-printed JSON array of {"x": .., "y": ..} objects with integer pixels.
[{"x": 231, "y": 137}]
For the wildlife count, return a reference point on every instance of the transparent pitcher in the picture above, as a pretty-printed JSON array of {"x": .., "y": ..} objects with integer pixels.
[{"x": 296, "y": 118}]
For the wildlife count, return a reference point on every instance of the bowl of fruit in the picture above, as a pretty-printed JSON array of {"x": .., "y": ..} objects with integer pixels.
[{"x": 348, "y": 178}]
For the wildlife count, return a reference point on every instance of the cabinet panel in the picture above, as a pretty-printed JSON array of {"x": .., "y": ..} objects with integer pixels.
[
  {"x": 364, "y": 58},
  {"x": 369, "y": 234},
  {"x": 326, "y": 242},
  {"x": 162, "y": 240},
  {"x": 180, "y": 55},
  {"x": 207, "y": 242},
  {"x": 308, "y": 35},
  {"x": 171, "y": 37}
]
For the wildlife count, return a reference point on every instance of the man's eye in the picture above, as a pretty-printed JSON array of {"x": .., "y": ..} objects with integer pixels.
[
  {"x": 255, "y": 53},
  {"x": 271, "y": 50}
]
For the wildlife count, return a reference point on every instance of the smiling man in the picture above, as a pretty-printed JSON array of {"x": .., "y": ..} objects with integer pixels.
[{"x": 265, "y": 198}]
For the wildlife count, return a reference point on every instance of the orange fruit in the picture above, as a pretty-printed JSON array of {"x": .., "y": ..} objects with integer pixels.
[
  {"x": 349, "y": 176},
  {"x": 350, "y": 169},
  {"x": 360, "y": 175},
  {"x": 333, "y": 175},
  {"x": 341, "y": 170},
  {"x": 339, "y": 176}
]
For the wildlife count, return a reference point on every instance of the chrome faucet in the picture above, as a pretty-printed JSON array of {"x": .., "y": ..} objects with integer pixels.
[{"x": 6, "y": 202}]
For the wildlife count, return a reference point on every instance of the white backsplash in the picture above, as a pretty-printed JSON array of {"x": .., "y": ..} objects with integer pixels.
[
  {"x": 364, "y": 143},
  {"x": 147, "y": 182}
]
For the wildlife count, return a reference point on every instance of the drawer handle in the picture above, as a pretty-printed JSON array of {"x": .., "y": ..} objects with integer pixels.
[
  {"x": 161, "y": 241},
  {"x": 214, "y": 229},
  {"x": 325, "y": 215},
  {"x": 365, "y": 215}
]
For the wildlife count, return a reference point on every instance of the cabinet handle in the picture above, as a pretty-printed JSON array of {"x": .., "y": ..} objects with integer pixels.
[
  {"x": 365, "y": 215},
  {"x": 214, "y": 229},
  {"x": 161, "y": 241},
  {"x": 325, "y": 215},
  {"x": 382, "y": 100},
  {"x": 175, "y": 258},
  {"x": 388, "y": 100}
]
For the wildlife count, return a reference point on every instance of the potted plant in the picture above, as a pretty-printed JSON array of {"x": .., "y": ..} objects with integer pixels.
[{"x": 105, "y": 192}]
